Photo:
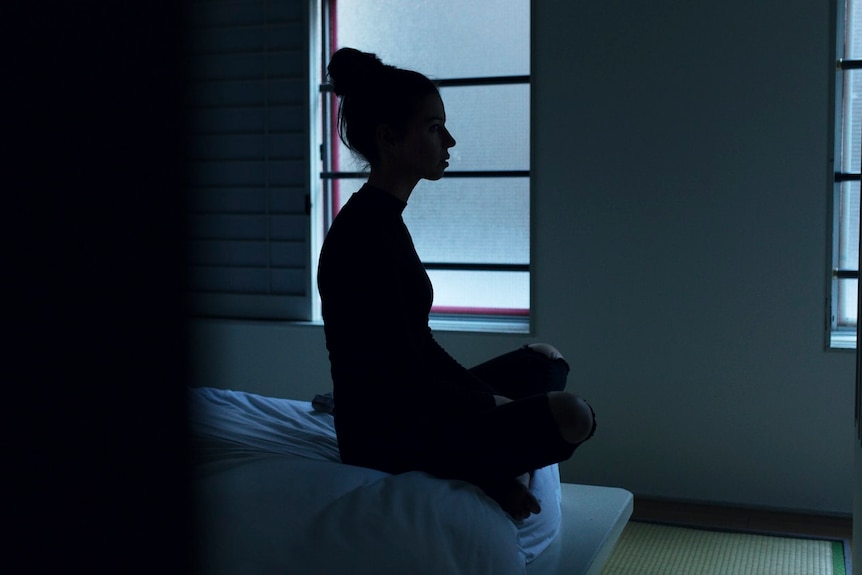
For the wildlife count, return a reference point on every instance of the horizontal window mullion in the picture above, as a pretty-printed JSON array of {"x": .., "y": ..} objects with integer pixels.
[
  {"x": 488, "y": 81},
  {"x": 488, "y": 174},
  {"x": 477, "y": 267},
  {"x": 844, "y": 274},
  {"x": 453, "y": 174},
  {"x": 847, "y": 177},
  {"x": 457, "y": 82},
  {"x": 849, "y": 64}
]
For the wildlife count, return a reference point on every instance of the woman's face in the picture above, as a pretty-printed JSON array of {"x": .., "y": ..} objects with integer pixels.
[{"x": 424, "y": 147}]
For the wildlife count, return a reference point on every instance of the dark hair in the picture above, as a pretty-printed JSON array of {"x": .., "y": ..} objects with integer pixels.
[{"x": 373, "y": 93}]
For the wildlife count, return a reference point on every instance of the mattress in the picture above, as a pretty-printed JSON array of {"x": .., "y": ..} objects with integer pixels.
[{"x": 271, "y": 496}]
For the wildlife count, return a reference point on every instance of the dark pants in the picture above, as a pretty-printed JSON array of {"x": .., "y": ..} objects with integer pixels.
[
  {"x": 522, "y": 373},
  {"x": 501, "y": 443}
]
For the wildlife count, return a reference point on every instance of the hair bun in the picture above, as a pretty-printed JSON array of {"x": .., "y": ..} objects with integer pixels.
[{"x": 350, "y": 70}]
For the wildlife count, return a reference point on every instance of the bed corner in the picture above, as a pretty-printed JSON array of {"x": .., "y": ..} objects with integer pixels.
[{"x": 593, "y": 518}]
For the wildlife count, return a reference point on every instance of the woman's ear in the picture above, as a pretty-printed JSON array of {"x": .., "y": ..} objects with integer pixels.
[{"x": 387, "y": 140}]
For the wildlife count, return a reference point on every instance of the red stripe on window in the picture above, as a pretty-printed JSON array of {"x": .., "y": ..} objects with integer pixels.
[{"x": 336, "y": 160}]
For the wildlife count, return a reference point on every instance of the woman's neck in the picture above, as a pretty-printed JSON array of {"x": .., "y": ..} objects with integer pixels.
[{"x": 393, "y": 183}]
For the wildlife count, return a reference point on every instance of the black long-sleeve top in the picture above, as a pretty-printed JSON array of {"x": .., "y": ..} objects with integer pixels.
[{"x": 389, "y": 374}]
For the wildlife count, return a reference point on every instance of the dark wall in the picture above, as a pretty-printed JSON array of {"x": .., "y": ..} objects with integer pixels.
[{"x": 96, "y": 372}]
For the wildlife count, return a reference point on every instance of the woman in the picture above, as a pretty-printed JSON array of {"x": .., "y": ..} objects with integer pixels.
[{"x": 402, "y": 402}]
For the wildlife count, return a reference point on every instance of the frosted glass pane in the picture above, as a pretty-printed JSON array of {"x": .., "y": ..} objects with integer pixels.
[
  {"x": 491, "y": 125},
  {"x": 851, "y": 145},
  {"x": 848, "y": 234},
  {"x": 465, "y": 220},
  {"x": 480, "y": 292},
  {"x": 471, "y": 220},
  {"x": 440, "y": 38},
  {"x": 853, "y": 32},
  {"x": 847, "y": 302}
]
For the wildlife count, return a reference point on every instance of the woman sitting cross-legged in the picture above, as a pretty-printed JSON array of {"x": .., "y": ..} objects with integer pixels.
[{"x": 402, "y": 402}]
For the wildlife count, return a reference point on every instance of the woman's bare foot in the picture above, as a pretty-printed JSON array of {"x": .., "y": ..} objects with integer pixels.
[{"x": 515, "y": 498}]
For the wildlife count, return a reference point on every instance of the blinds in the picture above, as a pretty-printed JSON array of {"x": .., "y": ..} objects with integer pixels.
[{"x": 249, "y": 177}]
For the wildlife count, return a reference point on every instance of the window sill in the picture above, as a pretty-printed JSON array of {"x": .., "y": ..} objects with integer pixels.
[
  {"x": 480, "y": 324},
  {"x": 464, "y": 324},
  {"x": 842, "y": 340}
]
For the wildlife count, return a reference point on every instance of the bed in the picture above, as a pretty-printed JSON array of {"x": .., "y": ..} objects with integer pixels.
[{"x": 272, "y": 497}]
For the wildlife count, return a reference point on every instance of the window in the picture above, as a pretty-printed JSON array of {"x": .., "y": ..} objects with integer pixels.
[
  {"x": 848, "y": 153},
  {"x": 848, "y": 156},
  {"x": 472, "y": 228},
  {"x": 260, "y": 201}
]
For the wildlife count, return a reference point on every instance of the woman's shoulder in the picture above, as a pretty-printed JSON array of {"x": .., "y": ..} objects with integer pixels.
[{"x": 368, "y": 211}]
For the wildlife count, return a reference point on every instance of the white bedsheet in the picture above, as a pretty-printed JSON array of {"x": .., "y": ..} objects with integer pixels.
[{"x": 272, "y": 497}]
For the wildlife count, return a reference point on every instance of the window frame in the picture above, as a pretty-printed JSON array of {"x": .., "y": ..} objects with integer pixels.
[
  {"x": 841, "y": 334},
  {"x": 326, "y": 194}
]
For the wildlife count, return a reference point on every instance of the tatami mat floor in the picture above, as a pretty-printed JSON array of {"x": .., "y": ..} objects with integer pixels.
[{"x": 763, "y": 521}]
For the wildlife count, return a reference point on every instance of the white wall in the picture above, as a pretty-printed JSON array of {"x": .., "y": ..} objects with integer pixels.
[{"x": 680, "y": 246}]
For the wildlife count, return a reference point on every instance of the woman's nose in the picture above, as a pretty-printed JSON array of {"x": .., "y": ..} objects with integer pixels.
[{"x": 450, "y": 141}]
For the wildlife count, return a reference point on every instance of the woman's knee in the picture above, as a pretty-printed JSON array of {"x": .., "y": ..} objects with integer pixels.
[
  {"x": 551, "y": 364},
  {"x": 573, "y": 416},
  {"x": 547, "y": 350}
]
